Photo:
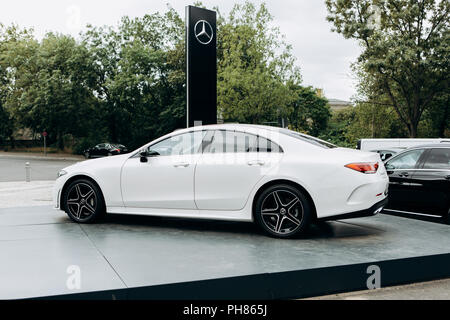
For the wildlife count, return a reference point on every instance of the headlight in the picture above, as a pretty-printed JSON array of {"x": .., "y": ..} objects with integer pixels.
[{"x": 61, "y": 173}]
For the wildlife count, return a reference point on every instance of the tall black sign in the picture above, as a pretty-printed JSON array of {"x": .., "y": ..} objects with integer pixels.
[{"x": 201, "y": 66}]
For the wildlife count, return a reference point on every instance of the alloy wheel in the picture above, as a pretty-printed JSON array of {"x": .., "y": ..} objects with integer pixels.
[
  {"x": 81, "y": 201},
  {"x": 282, "y": 212}
]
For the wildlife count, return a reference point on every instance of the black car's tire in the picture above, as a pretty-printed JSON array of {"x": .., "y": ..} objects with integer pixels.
[
  {"x": 87, "y": 155},
  {"x": 109, "y": 154},
  {"x": 83, "y": 201},
  {"x": 283, "y": 211}
]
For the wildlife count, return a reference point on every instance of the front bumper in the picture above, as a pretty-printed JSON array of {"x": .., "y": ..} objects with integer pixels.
[{"x": 373, "y": 210}]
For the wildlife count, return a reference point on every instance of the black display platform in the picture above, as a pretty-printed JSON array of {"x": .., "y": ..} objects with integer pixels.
[{"x": 133, "y": 257}]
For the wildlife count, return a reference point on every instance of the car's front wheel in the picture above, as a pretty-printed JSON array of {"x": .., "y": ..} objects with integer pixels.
[
  {"x": 282, "y": 211},
  {"x": 87, "y": 155},
  {"x": 83, "y": 201}
]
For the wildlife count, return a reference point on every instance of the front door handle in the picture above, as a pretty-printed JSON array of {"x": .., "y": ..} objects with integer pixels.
[
  {"x": 404, "y": 174},
  {"x": 256, "y": 163},
  {"x": 181, "y": 164}
]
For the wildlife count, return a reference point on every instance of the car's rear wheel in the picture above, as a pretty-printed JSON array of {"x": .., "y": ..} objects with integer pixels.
[
  {"x": 83, "y": 201},
  {"x": 282, "y": 211}
]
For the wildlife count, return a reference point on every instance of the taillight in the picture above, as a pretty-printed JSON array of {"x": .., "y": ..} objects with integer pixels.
[
  {"x": 364, "y": 167},
  {"x": 118, "y": 150}
]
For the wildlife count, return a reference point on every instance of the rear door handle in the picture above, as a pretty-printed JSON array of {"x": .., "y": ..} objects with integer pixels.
[
  {"x": 256, "y": 163},
  {"x": 404, "y": 174},
  {"x": 181, "y": 164}
]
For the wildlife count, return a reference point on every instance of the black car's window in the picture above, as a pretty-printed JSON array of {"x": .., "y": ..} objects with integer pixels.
[
  {"x": 438, "y": 159},
  {"x": 226, "y": 141},
  {"x": 407, "y": 160},
  {"x": 181, "y": 144},
  {"x": 100, "y": 146}
]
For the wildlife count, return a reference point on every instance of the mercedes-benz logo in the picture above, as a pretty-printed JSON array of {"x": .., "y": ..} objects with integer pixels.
[{"x": 203, "y": 32}]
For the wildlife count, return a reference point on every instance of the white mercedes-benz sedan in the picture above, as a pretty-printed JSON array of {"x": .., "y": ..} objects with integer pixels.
[{"x": 281, "y": 179}]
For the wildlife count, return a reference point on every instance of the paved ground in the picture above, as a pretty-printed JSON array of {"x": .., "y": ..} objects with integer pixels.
[
  {"x": 12, "y": 168},
  {"x": 433, "y": 290},
  {"x": 25, "y": 194}
]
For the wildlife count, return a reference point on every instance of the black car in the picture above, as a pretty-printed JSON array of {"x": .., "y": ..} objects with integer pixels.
[
  {"x": 105, "y": 150},
  {"x": 419, "y": 181}
]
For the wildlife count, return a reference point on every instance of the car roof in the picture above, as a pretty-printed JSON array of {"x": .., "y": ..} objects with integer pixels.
[{"x": 431, "y": 145}]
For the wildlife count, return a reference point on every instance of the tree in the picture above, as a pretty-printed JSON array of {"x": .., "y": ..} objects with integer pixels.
[
  {"x": 51, "y": 85},
  {"x": 405, "y": 49},
  {"x": 140, "y": 67},
  {"x": 252, "y": 78},
  {"x": 10, "y": 37},
  {"x": 310, "y": 113}
]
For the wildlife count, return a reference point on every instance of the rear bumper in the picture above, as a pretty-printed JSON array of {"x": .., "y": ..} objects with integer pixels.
[{"x": 373, "y": 210}]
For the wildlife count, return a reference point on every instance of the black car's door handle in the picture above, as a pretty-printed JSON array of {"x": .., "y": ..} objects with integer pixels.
[{"x": 403, "y": 174}]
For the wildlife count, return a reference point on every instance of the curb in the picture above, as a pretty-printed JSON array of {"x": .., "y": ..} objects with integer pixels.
[{"x": 40, "y": 157}]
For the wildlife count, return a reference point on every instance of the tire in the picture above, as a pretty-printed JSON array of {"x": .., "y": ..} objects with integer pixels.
[
  {"x": 109, "y": 154},
  {"x": 283, "y": 211},
  {"x": 87, "y": 155},
  {"x": 83, "y": 201}
]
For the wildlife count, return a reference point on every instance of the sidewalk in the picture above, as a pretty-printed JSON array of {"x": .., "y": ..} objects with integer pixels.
[
  {"x": 432, "y": 290},
  {"x": 25, "y": 194},
  {"x": 40, "y": 156}
]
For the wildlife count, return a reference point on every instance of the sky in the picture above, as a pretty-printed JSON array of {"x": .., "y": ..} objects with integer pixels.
[{"x": 323, "y": 56}]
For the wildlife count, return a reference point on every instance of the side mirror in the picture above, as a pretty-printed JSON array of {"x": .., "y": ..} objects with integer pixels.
[{"x": 143, "y": 154}]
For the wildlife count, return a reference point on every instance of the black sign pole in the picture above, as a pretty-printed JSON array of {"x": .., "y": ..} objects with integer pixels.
[{"x": 201, "y": 66}]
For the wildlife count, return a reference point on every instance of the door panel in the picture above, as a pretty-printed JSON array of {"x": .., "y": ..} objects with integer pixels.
[
  {"x": 431, "y": 192},
  {"x": 162, "y": 182},
  {"x": 400, "y": 169},
  {"x": 166, "y": 180},
  {"x": 229, "y": 168},
  {"x": 431, "y": 183}
]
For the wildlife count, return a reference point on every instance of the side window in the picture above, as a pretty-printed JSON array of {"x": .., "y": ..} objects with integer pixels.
[
  {"x": 182, "y": 144},
  {"x": 224, "y": 141},
  {"x": 264, "y": 145},
  {"x": 408, "y": 160},
  {"x": 100, "y": 146},
  {"x": 438, "y": 159}
]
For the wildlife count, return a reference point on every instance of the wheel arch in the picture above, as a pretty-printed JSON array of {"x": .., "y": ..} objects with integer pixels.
[
  {"x": 288, "y": 182},
  {"x": 77, "y": 177}
]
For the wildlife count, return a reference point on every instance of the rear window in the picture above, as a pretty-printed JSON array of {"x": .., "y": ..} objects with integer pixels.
[{"x": 309, "y": 139}]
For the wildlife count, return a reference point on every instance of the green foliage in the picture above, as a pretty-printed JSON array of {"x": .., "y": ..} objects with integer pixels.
[
  {"x": 406, "y": 47},
  {"x": 310, "y": 113},
  {"x": 141, "y": 76},
  {"x": 253, "y": 80},
  {"x": 338, "y": 125}
]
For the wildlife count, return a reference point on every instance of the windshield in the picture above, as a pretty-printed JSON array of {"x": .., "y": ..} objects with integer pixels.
[{"x": 309, "y": 139}]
